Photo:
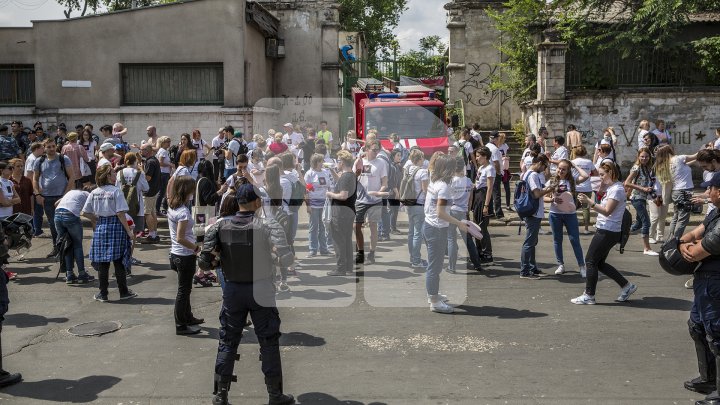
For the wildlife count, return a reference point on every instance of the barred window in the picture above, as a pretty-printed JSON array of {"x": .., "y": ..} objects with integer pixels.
[
  {"x": 17, "y": 85},
  {"x": 172, "y": 84}
]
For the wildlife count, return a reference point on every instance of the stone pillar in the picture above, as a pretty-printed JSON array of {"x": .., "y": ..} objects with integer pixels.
[{"x": 549, "y": 107}]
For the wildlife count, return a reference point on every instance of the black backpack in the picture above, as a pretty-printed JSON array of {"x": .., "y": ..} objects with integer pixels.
[{"x": 392, "y": 172}]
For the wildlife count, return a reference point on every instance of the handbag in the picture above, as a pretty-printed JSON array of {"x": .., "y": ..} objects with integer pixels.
[
  {"x": 327, "y": 211},
  {"x": 201, "y": 213},
  {"x": 84, "y": 169}
]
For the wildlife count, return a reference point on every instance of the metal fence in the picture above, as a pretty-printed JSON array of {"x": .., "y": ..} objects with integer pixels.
[
  {"x": 172, "y": 84},
  {"x": 17, "y": 85},
  {"x": 378, "y": 69},
  {"x": 647, "y": 68}
]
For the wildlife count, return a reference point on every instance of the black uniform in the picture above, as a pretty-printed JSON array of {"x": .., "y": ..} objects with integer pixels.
[
  {"x": 249, "y": 249},
  {"x": 704, "y": 322}
]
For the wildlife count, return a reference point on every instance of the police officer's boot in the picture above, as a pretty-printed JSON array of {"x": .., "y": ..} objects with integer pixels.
[
  {"x": 714, "y": 397},
  {"x": 222, "y": 387},
  {"x": 275, "y": 392},
  {"x": 7, "y": 378},
  {"x": 705, "y": 383}
]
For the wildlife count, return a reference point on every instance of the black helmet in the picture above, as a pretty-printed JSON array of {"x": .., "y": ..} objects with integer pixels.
[{"x": 672, "y": 261}]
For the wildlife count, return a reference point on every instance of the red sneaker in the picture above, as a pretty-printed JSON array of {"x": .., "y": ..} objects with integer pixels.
[{"x": 11, "y": 275}]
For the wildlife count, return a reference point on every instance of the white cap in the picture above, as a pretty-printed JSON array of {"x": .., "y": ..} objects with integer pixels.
[
  {"x": 106, "y": 147},
  {"x": 289, "y": 124}
]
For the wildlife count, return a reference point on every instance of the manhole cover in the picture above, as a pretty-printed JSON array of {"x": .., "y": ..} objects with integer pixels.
[{"x": 95, "y": 328}]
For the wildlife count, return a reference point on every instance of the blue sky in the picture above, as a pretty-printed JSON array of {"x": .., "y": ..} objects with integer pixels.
[{"x": 423, "y": 18}]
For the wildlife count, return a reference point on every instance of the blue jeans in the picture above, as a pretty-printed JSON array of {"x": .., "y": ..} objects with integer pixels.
[
  {"x": 436, "y": 240},
  {"x": 317, "y": 231},
  {"x": 642, "y": 216},
  {"x": 293, "y": 217},
  {"x": 384, "y": 225},
  {"x": 49, "y": 208},
  {"x": 416, "y": 219},
  {"x": 453, "y": 245},
  {"x": 527, "y": 254},
  {"x": 37, "y": 218},
  {"x": 570, "y": 221},
  {"x": 67, "y": 223}
]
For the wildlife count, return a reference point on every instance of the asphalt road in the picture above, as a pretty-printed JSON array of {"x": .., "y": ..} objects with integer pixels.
[{"x": 366, "y": 340}]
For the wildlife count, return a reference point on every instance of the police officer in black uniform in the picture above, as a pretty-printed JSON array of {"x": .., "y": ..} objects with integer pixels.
[
  {"x": 248, "y": 248},
  {"x": 703, "y": 245},
  {"x": 6, "y": 378}
]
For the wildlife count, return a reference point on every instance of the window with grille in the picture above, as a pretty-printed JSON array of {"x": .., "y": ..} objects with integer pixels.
[
  {"x": 17, "y": 85},
  {"x": 172, "y": 84}
]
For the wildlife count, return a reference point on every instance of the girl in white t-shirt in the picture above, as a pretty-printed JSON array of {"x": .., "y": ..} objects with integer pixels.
[
  {"x": 484, "y": 181},
  {"x": 609, "y": 224},
  {"x": 585, "y": 187},
  {"x": 462, "y": 193},
  {"x": 505, "y": 167},
  {"x": 8, "y": 196},
  {"x": 318, "y": 182},
  {"x": 435, "y": 228},
  {"x": 674, "y": 168},
  {"x": 183, "y": 251},
  {"x": 563, "y": 212},
  {"x": 416, "y": 214}
]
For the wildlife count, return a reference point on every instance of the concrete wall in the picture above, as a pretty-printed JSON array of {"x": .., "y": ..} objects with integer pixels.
[
  {"x": 258, "y": 69},
  {"x": 148, "y": 35},
  {"x": 17, "y": 46},
  {"x": 691, "y": 116},
  {"x": 473, "y": 60}
]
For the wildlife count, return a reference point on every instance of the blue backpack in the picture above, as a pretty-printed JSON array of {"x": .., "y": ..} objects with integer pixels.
[{"x": 525, "y": 204}]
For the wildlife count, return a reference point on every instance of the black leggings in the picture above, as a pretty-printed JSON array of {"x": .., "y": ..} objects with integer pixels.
[
  {"x": 484, "y": 246},
  {"x": 185, "y": 267},
  {"x": 104, "y": 272},
  {"x": 600, "y": 246}
]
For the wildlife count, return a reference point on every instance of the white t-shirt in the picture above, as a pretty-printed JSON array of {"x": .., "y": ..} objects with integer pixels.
[
  {"x": 371, "y": 177},
  {"x": 74, "y": 201},
  {"x": 496, "y": 154},
  {"x": 559, "y": 154},
  {"x": 199, "y": 148},
  {"x": 174, "y": 217},
  {"x": 293, "y": 140},
  {"x": 535, "y": 181},
  {"x": 505, "y": 163},
  {"x": 461, "y": 188},
  {"x": 102, "y": 162},
  {"x": 613, "y": 223},
  {"x": 163, "y": 156},
  {"x": 182, "y": 171},
  {"x": 588, "y": 166},
  {"x": 420, "y": 175},
  {"x": 488, "y": 171},
  {"x": 286, "y": 181},
  {"x": 8, "y": 191},
  {"x": 437, "y": 190},
  {"x": 564, "y": 191},
  {"x": 90, "y": 149},
  {"x": 641, "y": 135},
  {"x": 528, "y": 161},
  {"x": 234, "y": 148},
  {"x": 142, "y": 185},
  {"x": 425, "y": 165},
  {"x": 29, "y": 165},
  {"x": 215, "y": 144},
  {"x": 105, "y": 201},
  {"x": 352, "y": 147},
  {"x": 321, "y": 182},
  {"x": 681, "y": 172},
  {"x": 716, "y": 145}
]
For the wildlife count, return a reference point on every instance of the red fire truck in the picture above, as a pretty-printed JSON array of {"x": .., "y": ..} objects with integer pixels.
[{"x": 411, "y": 112}]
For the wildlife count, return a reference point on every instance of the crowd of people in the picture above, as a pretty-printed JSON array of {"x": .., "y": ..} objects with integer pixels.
[{"x": 348, "y": 187}]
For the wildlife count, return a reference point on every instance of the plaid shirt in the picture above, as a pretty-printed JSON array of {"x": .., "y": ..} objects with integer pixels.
[{"x": 110, "y": 241}]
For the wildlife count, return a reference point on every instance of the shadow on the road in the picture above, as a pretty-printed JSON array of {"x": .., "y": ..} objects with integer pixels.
[
  {"x": 83, "y": 390},
  {"x": 30, "y": 320},
  {"x": 391, "y": 274},
  {"x": 498, "y": 312},
  {"x": 287, "y": 339},
  {"x": 138, "y": 278},
  {"x": 327, "y": 399},
  {"x": 145, "y": 301},
  {"x": 309, "y": 280},
  {"x": 312, "y": 294},
  {"x": 22, "y": 280},
  {"x": 663, "y": 303}
]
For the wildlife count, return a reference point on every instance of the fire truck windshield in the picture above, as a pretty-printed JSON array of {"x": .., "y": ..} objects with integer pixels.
[{"x": 414, "y": 122}]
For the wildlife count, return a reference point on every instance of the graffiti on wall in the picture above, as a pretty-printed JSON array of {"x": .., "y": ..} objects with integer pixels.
[{"x": 476, "y": 85}]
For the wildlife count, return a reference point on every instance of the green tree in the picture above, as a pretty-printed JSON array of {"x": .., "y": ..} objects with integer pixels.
[
  {"x": 375, "y": 19},
  {"x": 428, "y": 61}
]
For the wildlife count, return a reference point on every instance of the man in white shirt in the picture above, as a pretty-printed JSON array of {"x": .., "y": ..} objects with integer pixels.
[
  {"x": 559, "y": 154},
  {"x": 496, "y": 160},
  {"x": 218, "y": 158},
  {"x": 373, "y": 179},
  {"x": 36, "y": 150}
]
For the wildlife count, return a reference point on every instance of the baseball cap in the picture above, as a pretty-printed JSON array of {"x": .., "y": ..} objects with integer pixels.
[
  {"x": 494, "y": 134},
  {"x": 246, "y": 194},
  {"x": 289, "y": 124},
  {"x": 120, "y": 146},
  {"x": 106, "y": 147},
  {"x": 713, "y": 182},
  {"x": 62, "y": 126}
]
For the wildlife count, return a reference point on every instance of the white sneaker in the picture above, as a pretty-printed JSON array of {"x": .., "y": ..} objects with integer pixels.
[
  {"x": 442, "y": 308},
  {"x": 626, "y": 292},
  {"x": 689, "y": 284},
  {"x": 560, "y": 270},
  {"x": 652, "y": 241},
  {"x": 583, "y": 271},
  {"x": 442, "y": 297},
  {"x": 584, "y": 300},
  {"x": 650, "y": 253}
]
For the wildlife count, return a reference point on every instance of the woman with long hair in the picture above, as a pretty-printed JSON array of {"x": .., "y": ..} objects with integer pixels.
[
  {"x": 185, "y": 165},
  {"x": 674, "y": 169},
  {"x": 183, "y": 252},
  {"x": 462, "y": 194},
  {"x": 482, "y": 195},
  {"x": 610, "y": 213},
  {"x": 505, "y": 167},
  {"x": 206, "y": 195},
  {"x": 91, "y": 148},
  {"x": 23, "y": 187},
  {"x": 435, "y": 227},
  {"x": 343, "y": 213},
  {"x": 318, "y": 182},
  {"x": 112, "y": 236},
  {"x": 228, "y": 209},
  {"x": 585, "y": 187},
  {"x": 271, "y": 195},
  {"x": 641, "y": 181},
  {"x": 563, "y": 212},
  {"x": 416, "y": 213}
]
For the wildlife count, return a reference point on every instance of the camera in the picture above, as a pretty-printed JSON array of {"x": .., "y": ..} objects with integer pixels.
[
  {"x": 685, "y": 203},
  {"x": 220, "y": 152}
]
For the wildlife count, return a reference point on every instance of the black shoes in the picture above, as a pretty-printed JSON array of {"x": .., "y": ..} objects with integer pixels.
[
  {"x": 186, "y": 330},
  {"x": 360, "y": 257},
  {"x": 196, "y": 321},
  {"x": 275, "y": 392},
  {"x": 127, "y": 295},
  {"x": 7, "y": 379},
  {"x": 470, "y": 266},
  {"x": 697, "y": 384},
  {"x": 53, "y": 253},
  {"x": 486, "y": 259}
]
